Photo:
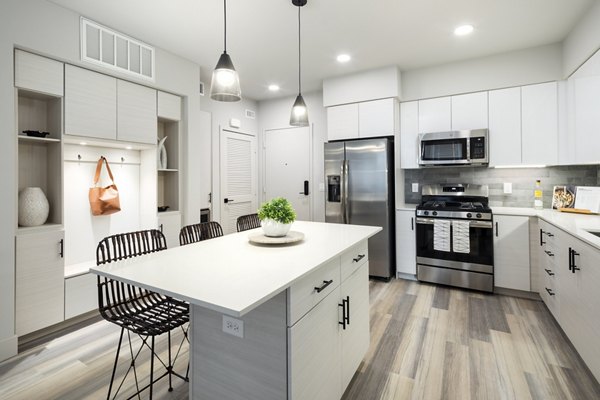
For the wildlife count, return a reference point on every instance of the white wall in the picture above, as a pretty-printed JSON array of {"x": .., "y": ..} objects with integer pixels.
[
  {"x": 535, "y": 65},
  {"x": 582, "y": 41},
  {"x": 221, "y": 113},
  {"x": 48, "y": 29},
  {"x": 275, "y": 114}
]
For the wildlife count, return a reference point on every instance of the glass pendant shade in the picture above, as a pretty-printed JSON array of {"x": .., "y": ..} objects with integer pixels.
[
  {"x": 299, "y": 115},
  {"x": 225, "y": 84}
]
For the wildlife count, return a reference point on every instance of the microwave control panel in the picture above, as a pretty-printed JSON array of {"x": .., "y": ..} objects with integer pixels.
[{"x": 477, "y": 148}]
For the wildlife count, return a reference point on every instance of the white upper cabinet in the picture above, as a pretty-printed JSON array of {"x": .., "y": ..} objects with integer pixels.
[
  {"x": 409, "y": 135},
  {"x": 90, "y": 104},
  {"x": 377, "y": 118},
  {"x": 470, "y": 111},
  {"x": 435, "y": 115},
  {"x": 539, "y": 108},
  {"x": 584, "y": 96},
  {"x": 169, "y": 106},
  {"x": 39, "y": 74},
  {"x": 342, "y": 122},
  {"x": 505, "y": 126},
  {"x": 136, "y": 113}
]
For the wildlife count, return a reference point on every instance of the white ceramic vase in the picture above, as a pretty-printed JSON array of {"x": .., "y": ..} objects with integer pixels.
[
  {"x": 33, "y": 207},
  {"x": 161, "y": 154},
  {"x": 272, "y": 228}
]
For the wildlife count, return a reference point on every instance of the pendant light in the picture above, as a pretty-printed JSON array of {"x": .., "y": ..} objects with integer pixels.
[
  {"x": 299, "y": 115},
  {"x": 225, "y": 84}
]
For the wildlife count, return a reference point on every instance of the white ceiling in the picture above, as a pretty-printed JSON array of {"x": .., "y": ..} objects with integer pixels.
[{"x": 262, "y": 34}]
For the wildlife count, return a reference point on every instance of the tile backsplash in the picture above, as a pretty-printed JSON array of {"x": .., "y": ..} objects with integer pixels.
[{"x": 522, "y": 179}]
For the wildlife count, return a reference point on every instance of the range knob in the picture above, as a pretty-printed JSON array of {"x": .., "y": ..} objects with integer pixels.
[
  {"x": 478, "y": 215},
  {"x": 426, "y": 212},
  {"x": 469, "y": 215},
  {"x": 434, "y": 213}
]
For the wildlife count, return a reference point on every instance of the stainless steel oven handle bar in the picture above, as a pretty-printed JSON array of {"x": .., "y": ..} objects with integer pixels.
[{"x": 472, "y": 223}]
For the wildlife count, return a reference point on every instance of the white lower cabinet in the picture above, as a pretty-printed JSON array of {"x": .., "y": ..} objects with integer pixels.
[
  {"x": 329, "y": 342},
  {"x": 511, "y": 252},
  {"x": 314, "y": 353},
  {"x": 355, "y": 334},
  {"x": 81, "y": 295},
  {"x": 39, "y": 289},
  {"x": 170, "y": 225},
  {"x": 406, "y": 242}
]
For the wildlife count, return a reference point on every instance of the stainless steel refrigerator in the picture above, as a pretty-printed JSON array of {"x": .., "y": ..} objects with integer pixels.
[{"x": 359, "y": 175}]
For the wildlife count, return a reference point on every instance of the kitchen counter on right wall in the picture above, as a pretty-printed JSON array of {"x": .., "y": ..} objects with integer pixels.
[{"x": 578, "y": 225}]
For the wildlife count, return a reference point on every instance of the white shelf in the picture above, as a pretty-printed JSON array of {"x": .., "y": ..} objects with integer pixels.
[
  {"x": 168, "y": 170},
  {"x": 78, "y": 269},
  {"x": 25, "y": 230},
  {"x": 37, "y": 139}
]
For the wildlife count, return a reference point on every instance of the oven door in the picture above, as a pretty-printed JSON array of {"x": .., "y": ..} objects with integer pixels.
[{"x": 480, "y": 257}]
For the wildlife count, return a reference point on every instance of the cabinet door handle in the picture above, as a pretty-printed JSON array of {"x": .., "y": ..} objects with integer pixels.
[
  {"x": 570, "y": 259},
  {"x": 343, "y": 322},
  {"x": 61, "y": 253},
  {"x": 542, "y": 237},
  {"x": 549, "y": 272},
  {"x": 496, "y": 228},
  {"x": 549, "y": 253},
  {"x": 161, "y": 228},
  {"x": 550, "y": 292},
  {"x": 347, "y": 310},
  {"x": 360, "y": 257},
  {"x": 574, "y": 267},
  {"x": 412, "y": 223},
  {"x": 319, "y": 289},
  {"x": 549, "y": 234}
]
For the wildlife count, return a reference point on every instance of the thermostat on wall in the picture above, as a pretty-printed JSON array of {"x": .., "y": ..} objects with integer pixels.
[{"x": 234, "y": 123}]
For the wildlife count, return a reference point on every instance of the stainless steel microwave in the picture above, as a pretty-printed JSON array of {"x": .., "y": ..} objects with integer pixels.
[{"x": 454, "y": 148}]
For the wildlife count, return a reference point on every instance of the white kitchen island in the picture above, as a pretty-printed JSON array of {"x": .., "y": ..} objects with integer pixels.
[{"x": 300, "y": 312}]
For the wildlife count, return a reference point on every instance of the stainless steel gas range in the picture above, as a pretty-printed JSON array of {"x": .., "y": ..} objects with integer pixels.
[{"x": 455, "y": 243}]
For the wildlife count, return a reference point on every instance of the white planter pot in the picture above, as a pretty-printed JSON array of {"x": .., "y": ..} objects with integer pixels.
[
  {"x": 273, "y": 228},
  {"x": 33, "y": 207}
]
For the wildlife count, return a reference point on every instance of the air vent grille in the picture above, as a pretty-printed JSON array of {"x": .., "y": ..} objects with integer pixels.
[
  {"x": 250, "y": 114},
  {"x": 108, "y": 48}
]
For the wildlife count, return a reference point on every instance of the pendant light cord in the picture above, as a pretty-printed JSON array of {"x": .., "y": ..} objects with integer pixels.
[
  {"x": 225, "y": 25},
  {"x": 299, "y": 56}
]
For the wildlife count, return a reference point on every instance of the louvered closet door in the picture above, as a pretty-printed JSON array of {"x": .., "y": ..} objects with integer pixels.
[{"x": 238, "y": 178}]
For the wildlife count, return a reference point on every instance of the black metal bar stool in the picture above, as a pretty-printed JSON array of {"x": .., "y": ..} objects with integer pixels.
[
  {"x": 247, "y": 222},
  {"x": 198, "y": 232},
  {"x": 136, "y": 310}
]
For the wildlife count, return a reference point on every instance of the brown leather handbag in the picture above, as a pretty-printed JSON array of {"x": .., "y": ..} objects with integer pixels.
[{"x": 104, "y": 200}]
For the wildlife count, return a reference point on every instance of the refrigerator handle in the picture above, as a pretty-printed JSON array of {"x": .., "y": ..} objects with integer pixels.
[
  {"x": 343, "y": 191},
  {"x": 346, "y": 190}
]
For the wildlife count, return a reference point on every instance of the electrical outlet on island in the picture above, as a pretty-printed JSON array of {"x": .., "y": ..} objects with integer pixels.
[{"x": 233, "y": 326}]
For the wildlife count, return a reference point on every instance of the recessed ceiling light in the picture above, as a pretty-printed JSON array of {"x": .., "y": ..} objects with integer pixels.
[
  {"x": 128, "y": 147},
  {"x": 463, "y": 30},
  {"x": 83, "y": 144},
  {"x": 274, "y": 88},
  {"x": 343, "y": 58}
]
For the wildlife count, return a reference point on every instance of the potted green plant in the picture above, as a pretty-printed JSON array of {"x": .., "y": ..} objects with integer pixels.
[{"x": 276, "y": 217}]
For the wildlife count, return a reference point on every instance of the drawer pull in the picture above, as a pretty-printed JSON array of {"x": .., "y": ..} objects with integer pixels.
[
  {"x": 319, "y": 289},
  {"x": 549, "y": 234},
  {"x": 549, "y": 272},
  {"x": 550, "y": 292},
  {"x": 360, "y": 257},
  {"x": 551, "y": 254}
]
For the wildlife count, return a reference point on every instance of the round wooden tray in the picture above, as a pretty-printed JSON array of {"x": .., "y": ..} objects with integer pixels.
[{"x": 291, "y": 237}]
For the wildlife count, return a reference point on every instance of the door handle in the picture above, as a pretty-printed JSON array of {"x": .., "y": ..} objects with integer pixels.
[
  {"x": 161, "y": 228},
  {"x": 412, "y": 223},
  {"x": 61, "y": 253},
  {"x": 542, "y": 237},
  {"x": 574, "y": 267},
  {"x": 345, "y": 312},
  {"x": 226, "y": 200},
  {"x": 496, "y": 228},
  {"x": 305, "y": 192}
]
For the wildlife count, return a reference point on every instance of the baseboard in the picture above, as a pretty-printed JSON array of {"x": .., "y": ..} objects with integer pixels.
[
  {"x": 408, "y": 277},
  {"x": 517, "y": 293},
  {"x": 8, "y": 347}
]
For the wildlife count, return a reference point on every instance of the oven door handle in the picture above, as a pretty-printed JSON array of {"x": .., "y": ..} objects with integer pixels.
[{"x": 472, "y": 223}]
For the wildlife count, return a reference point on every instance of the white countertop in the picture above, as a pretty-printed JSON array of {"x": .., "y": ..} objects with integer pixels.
[
  {"x": 524, "y": 211},
  {"x": 232, "y": 276}
]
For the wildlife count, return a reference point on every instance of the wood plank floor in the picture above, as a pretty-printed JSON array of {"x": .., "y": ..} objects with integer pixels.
[{"x": 427, "y": 342}]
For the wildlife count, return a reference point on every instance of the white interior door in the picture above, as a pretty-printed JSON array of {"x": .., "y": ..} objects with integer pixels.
[
  {"x": 287, "y": 167},
  {"x": 238, "y": 178}
]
